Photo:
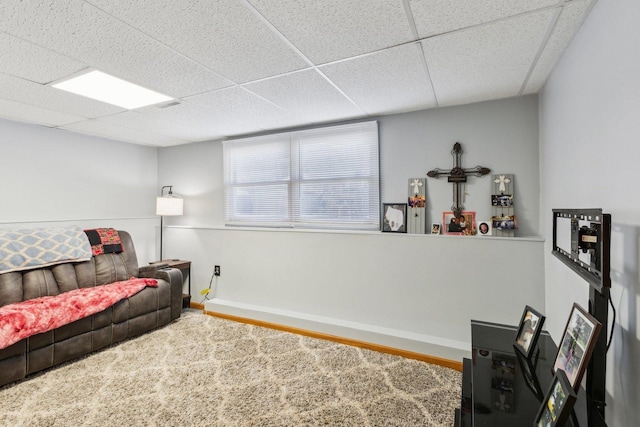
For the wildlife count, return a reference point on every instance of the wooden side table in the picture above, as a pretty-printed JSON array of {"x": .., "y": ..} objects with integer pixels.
[{"x": 185, "y": 267}]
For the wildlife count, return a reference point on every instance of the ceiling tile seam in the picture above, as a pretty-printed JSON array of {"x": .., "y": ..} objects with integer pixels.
[
  {"x": 426, "y": 70},
  {"x": 343, "y": 93},
  {"x": 187, "y": 57},
  {"x": 494, "y": 21},
  {"x": 541, "y": 48},
  {"x": 586, "y": 15},
  {"x": 277, "y": 32},
  {"x": 410, "y": 19},
  {"x": 284, "y": 110}
]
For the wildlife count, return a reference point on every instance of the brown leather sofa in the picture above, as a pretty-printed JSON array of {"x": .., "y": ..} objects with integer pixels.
[{"x": 144, "y": 311}]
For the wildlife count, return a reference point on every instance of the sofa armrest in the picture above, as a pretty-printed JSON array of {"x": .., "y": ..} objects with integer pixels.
[{"x": 173, "y": 276}]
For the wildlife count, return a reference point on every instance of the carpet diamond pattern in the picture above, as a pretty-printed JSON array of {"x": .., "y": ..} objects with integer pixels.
[{"x": 205, "y": 371}]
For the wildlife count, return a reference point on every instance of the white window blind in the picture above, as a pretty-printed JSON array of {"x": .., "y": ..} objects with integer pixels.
[{"x": 318, "y": 178}]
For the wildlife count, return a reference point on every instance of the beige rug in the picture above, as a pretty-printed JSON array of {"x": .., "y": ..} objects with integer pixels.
[{"x": 205, "y": 371}]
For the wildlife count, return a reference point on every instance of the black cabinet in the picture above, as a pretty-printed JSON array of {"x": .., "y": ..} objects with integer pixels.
[{"x": 496, "y": 390}]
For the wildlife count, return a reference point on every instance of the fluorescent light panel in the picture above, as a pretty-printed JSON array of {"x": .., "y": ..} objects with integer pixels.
[{"x": 112, "y": 90}]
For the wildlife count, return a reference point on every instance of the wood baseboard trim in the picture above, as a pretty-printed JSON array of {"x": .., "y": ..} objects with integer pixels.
[
  {"x": 197, "y": 306},
  {"x": 447, "y": 363}
]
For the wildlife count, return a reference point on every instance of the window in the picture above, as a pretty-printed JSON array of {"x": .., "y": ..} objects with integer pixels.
[{"x": 318, "y": 178}]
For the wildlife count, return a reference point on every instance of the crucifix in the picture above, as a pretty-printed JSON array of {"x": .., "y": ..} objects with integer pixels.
[{"x": 457, "y": 175}]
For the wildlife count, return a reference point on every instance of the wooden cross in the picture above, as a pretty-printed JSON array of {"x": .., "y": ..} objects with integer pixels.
[{"x": 456, "y": 176}]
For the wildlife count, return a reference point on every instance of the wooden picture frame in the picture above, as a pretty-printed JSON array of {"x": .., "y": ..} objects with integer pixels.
[
  {"x": 528, "y": 332},
  {"x": 394, "y": 217},
  {"x": 577, "y": 344},
  {"x": 558, "y": 403},
  {"x": 452, "y": 225}
]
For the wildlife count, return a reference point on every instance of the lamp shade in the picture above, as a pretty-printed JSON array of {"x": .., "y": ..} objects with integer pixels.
[{"x": 169, "y": 206}]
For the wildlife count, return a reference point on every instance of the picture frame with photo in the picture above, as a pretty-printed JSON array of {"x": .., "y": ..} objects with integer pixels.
[
  {"x": 435, "y": 228},
  {"x": 394, "y": 217},
  {"x": 484, "y": 228},
  {"x": 528, "y": 332},
  {"x": 558, "y": 403},
  {"x": 506, "y": 222},
  {"x": 502, "y": 200},
  {"x": 577, "y": 344},
  {"x": 463, "y": 225}
]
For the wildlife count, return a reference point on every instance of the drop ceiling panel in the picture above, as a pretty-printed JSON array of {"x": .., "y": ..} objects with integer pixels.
[
  {"x": 571, "y": 17},
  {"x": 241, "y": 105},
  {"x": 204, "y": 124},
  {"x": 308, "y": 95},
  {"x": 485, "y": 62},
  {"x": 329, "y": 30},
  {"x": 32, "y": 62},
  {"x": 49, "y": 98},
  {"x": 30, "y": 114},
  {"x": 400, "y": 83},
  {"x": 225, "y": 36},
  {"x": 441, "y": 16},
  {"x": 89, "y": 35},
  {"x": 108, "y": 130}
]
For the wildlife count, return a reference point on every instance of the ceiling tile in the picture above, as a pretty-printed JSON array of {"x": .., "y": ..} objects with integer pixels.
[
  {"x": 329, "y": 30},
  {"x": 441, "y": 16},
  {"x": 32, "y": 62},
  {"x": 400, "y": 82},
  {"x": 81, "y": 31},
  {"x": 30, "y": 114},
  {"x": 572, "y": 16},
  {"x": 121, "y": 133},
  {"x": 241, "y": 105},
  {"x": 485, "y": 62},
  {"x": 225, "y": 36},
  {"x": 308, "y": 95},
  {"x": 30, "y": 93},
  {"x": 203, "y": 124}
]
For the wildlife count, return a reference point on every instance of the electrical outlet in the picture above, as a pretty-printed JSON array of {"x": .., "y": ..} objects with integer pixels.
[{"x": 216, "y": 270}]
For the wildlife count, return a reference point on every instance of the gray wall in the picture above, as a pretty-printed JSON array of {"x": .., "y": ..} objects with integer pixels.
[
  {"x": 51, "y": 177},
  {"x": 414, "y": 292},
  {"x": 589, "y": 129}
]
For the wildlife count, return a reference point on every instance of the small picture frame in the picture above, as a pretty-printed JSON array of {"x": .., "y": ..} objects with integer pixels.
[
  {"x": 463, "y": 225},
  {"x": 528, "y": 332},
  {"x": 577, "y": 344},
  {"x": 394, "y": 217},
  {"x": 484, "y": 228},
  {"x": 557, "y": 405},
  {"x": 435, "y": 228},
  {"x": 502, "y": 200},
  {"x": 506, "y": 222}
]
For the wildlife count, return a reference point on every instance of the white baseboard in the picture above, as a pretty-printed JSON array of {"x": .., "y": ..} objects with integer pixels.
[{"x": 418, "y": 343}]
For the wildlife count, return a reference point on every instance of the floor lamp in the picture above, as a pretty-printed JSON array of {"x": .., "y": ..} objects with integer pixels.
[{"x": 169, "y": 205}]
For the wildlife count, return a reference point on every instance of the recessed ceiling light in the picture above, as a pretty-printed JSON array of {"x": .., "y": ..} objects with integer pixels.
[{"x": 103, "y": 87}]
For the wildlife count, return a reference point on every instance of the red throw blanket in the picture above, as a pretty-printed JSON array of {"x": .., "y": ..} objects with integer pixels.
[{"x": 24, "y": 319}]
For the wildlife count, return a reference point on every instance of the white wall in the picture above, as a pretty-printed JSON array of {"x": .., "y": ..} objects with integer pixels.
[
  {"x": 51, "y": 177},
  {"x": 414, "y": 292},
  {"x": 589, "y": 130}
]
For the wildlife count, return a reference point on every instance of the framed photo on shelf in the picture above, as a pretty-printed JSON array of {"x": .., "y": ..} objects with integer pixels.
[
  {"x": 578, "y": 340},
  {"x": 463, "y": 225},
  {"x": 394, "y": 217},
  {"x": 484, "y": 228},
  {"x": 435, "y": 228},
  {"x": 558, "y": 403},
  {"x": 529, "y": 331}
]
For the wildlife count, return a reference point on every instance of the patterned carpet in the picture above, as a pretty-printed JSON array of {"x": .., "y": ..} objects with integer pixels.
[{"x": 205, "y": 371}]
